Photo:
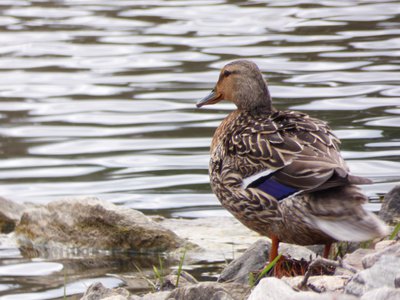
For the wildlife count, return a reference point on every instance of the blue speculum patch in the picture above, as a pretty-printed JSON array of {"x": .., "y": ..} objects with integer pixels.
[{"x": 274, "y": 188}]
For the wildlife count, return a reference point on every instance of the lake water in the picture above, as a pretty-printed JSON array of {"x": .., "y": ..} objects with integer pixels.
[{"x": 98, "y": 98}]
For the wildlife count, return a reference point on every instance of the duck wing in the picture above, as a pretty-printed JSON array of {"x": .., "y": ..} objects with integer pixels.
[{"x": 287, "y": 152}]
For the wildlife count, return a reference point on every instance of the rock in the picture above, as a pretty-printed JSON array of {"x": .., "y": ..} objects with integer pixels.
[
  {"x": 275, "y": 288},
  {"x": 97, "y": 291},
  {"x": 218, "y": 238},
  {"x": 153, "y": 296},
  {"x": 221, "y": 238},
  {"x": 390, "y": 210},
  {"x": 135, "y": 283},
  {"x": 272, "y": 288},
  {"x": 89, "y": 223},
  {"x": 322, "y": 283},
  {"x": 397, "y": 282},
  {"x": 255, "y": 258},
  {"x": 169, "y": 281},
  {"x": 382, "y": 273},
  {"x": 115, "y": 297},
  {"x": 252, "y": 260},
  {"x": 323, "y": 296},
  {"x": 10, "y": 214},
  {"x": 296, "y": 251},
  {"x": 384, "y": 244},
  {"x": 355, "y": 259},
  {"x": 369, "y": 260},
  {"x": 211, "y": 291},
  {"x": 8, "y": 241},
  {"x": 383, "y": 293}
]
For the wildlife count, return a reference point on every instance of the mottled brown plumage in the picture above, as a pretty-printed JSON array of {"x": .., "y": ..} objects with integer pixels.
[{"x": 257, "y": 142}]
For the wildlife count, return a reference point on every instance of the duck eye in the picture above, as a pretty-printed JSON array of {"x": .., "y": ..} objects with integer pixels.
[{"x": 227, "y": 73}]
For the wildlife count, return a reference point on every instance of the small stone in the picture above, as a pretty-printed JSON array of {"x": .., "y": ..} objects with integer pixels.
[
  {"x": 97, "y": 291},
  {"x": 152, "y": 296},
  {"x": 221, "y": 295},
  {"x": 115, "y": 297},
  {"x": 169, "y": 281},
  {"x": 390, "y": 210},
  {"x": 211, "y": 291}
]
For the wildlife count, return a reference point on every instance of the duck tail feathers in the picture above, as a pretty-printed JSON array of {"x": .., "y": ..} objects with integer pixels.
[{"x": 353, "y": 228}]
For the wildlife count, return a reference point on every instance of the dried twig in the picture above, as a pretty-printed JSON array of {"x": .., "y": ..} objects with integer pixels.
[{"x": 327, "y": 264}]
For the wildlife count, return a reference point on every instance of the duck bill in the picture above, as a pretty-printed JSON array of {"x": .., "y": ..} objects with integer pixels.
[{"x": 212, "y": 98}]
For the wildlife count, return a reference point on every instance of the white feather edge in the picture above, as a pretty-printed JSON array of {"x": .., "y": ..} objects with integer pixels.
[
  {"x": 249, "y": 180},
  {"x": 349, "y": 230}
]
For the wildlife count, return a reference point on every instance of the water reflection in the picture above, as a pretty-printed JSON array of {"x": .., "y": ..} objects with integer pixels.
[{"x": 98, "y": 97}]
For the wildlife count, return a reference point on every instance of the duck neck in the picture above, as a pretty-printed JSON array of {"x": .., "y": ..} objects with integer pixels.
[{"x": 258, "y": 103}]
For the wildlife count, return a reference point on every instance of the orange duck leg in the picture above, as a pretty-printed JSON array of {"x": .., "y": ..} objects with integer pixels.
[
  {"x": 273, "y": 252},
  {"x": 327, "y": 250}
]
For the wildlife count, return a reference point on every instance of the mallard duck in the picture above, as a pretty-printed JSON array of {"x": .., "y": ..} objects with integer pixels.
[{"x": 280, "y": 173}]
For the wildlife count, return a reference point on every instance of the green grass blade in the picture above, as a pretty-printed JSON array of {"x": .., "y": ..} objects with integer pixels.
[
  {"x": 395, "y": 232},
  {"x": 180, "y": 267},
  {"x": 156, "y": 272},
  {"x": 268, "y": 267},
  {"x": 252, "y": 280}
]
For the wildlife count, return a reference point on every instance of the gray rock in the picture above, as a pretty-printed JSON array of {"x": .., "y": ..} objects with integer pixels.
[
  {"x": 152, "y": 296},
  {"x": 397, "y": 282},
  {"x": 296, "y": 251},
  {"x": 97, "y": 291},
  {"x": 89, "y": 223},
  {"x": 323, "y": 296},
  {"x": 382, "y": 273},
  {"x": 169, "y": 281},
  {"x": 384, "y": 293},
  {"x": 211, "y": 291},
  {"x": 252, "y": 260},
  {"x": 323, "y": 283},
  {"x": 390, "y": 210},
  {"x": 255, "y": 258},
  {"x": 276, "y": 289},
  {"x": 355, "y": 259},
  {"x": 384, "y": 244},
  {"x": 115, "y": 297},
  {"x": 218, "y": 238},
  {"x": 10, "y": 214},
  {"x": 369, "y": 260}
]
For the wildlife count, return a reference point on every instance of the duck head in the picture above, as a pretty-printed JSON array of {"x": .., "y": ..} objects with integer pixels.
[{"x": 242, "y": 83}]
